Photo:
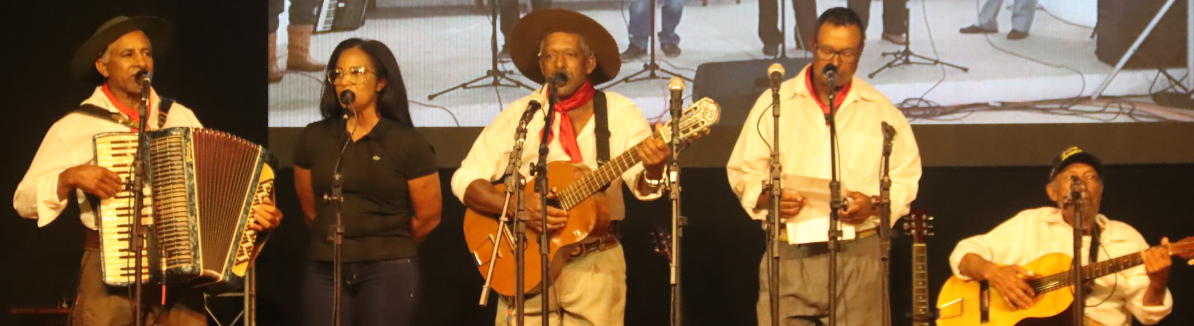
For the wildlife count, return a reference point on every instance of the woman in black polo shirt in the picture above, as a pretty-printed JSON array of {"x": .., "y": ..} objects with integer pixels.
[{"x": 391, "y": 190}]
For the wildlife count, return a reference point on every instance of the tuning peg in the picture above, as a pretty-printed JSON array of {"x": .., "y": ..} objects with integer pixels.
[
  {"x": 907, "y": 226},
  {"x": 931, "y": 233},
  {"x": 930, "y": 218},
  {"x": 929, "y": 226}
]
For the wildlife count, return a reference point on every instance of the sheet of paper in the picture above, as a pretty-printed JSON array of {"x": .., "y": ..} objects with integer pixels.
[{"x": 812, "y": 224}]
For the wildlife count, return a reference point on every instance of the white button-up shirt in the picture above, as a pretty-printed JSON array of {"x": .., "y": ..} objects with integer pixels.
[
  {"x": 804, "y": 141},
  {"x": 1036, "y": 232},
  {"x": 490, "y": 153},
  {"x": 69, "y": 143}
]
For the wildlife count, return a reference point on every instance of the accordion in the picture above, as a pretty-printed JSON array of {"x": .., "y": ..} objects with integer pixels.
[{"x": 204, "y": 186}]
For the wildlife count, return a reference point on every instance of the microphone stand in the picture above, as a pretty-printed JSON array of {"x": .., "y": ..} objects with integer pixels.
[
  {"x": 773, "y": 214},
  {"x": 337, "y": 229},
  {"x": 514, "y": 183},
  {"x": 835, "y": 200},
  {"x": 885, "y": 219},
  {"x": 678, "y": 219},
  {"x": 139, "y": 174},
  {"x": 1079, "y": 304},
  {"x": 541, "y": 185}
]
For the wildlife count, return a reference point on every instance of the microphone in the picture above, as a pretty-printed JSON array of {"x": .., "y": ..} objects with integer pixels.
[
  {"x": 888, "y": 131},
  {"x": 676, "y": 87},
  {"x": 347, "y": 97},
  {"x": 830, "y": 72},
  {"x": 536, "y": 102},
  {"x": 558, "y": 79},
  {"x": 144, "y": 77},
  {"x": 776, "y": 74}
]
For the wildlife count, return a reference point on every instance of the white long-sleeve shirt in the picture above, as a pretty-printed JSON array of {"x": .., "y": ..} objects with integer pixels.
[
  {"x": 804, "y": 141},
  {"x": 490, "y": 153},
  {"x": 69, "y": 143},
  {"x": 1036, "y": 232}
]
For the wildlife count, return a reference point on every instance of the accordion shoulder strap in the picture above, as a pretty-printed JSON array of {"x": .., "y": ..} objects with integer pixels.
[{"x": 103, "y": 114}]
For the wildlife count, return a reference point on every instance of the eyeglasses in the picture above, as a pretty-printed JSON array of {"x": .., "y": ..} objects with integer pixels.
[
  {"x": 828, "y": 54},
  {"x": 352, "y": 76}
]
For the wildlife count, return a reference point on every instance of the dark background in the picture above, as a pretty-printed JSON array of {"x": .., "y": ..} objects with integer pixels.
[{"x": 216, "y": 66}]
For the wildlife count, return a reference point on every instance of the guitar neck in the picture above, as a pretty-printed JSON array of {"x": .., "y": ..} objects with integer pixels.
[
  {"x": 920, "y": 285},
  {"x": 1061, "y": 280},
  {"x": 588, "y": 185}
]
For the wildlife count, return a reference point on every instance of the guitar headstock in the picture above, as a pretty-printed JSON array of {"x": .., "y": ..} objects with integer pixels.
[
  {"x": 1183, "y": 249},
  {"x": 695, "y": 120},
  {"x": 918, "y": 225},
  {"x": 662, "y": 239}
]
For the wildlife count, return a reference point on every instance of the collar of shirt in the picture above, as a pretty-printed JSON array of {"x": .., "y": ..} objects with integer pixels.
[
  {"x": 852, "y": 92},
  {"x": 840, "y": 97},
  {"x": 127, "y": 111},
  {"x": 1053, "y": 216}
]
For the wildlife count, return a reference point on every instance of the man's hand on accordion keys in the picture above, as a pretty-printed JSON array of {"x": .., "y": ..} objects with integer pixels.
[
  {"x": 266, "y": 216},
  {"x": 92, "y": 179}
]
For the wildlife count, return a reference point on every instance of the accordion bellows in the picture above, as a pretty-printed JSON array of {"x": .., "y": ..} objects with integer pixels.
[{"x": 205, "y": 185}]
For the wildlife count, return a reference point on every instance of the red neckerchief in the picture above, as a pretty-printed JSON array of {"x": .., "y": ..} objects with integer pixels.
[
  {"x": 128, "y": 112},
  {"x": 841, "y": 95},
  {"x": 567, "y": 135}
]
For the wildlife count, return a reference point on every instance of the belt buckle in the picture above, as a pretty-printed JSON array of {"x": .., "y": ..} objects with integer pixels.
[{"x": 587, "y": 248}]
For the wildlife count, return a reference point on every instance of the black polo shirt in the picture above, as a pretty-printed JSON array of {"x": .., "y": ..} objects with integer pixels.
[{"x": 377, "y": 208}]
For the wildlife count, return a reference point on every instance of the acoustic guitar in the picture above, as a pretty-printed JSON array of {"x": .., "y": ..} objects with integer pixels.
[
  {"x": 581, "y": 197},
  {"x": 975, "y": 303}
]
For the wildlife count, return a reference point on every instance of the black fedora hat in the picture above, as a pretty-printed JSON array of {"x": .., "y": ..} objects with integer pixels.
[
  {"x": 532, "y": 28},
  {"x": 83, "y": 64}
]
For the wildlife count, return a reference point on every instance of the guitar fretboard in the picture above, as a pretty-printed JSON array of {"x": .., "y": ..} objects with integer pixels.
[
  {"x": 920, "y": 285},
  {"x": 1092, "y": 271},
  {"x": 590, "y": 184}
]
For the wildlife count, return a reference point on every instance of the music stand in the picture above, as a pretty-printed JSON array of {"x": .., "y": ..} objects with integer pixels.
[
  {"x": 906, "y": 57},
  {"x": 650, "y": 67},
  {"x": 495, "y": 74}
]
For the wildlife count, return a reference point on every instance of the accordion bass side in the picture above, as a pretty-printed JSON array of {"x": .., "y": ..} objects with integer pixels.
[{"x": 205, "y": 186}]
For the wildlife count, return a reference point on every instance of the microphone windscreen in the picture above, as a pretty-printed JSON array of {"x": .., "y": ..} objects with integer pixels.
[
  {"x": 347, "y": 97},
  {"x": 776, "y": 68},
  {"x": 676, "y": 84}
]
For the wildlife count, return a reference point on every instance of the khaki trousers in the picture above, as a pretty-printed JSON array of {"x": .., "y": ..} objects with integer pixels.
[
  {"x": 590, "y": 291},
  {"x": 98, "y": 304}
]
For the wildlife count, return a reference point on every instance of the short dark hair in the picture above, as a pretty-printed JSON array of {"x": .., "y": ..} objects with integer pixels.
[
  {"x": 391, "y": 101},
  {"x": 840, "y": 16}
]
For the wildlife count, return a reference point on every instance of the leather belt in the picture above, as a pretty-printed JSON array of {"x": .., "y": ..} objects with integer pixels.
[
  {"x": 608, "y": 242},
  {"x": 91, "y": 239},
  {"x": 783, "y": 233}
]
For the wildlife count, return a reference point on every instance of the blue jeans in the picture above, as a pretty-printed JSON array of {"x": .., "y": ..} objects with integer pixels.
[
  {"x": 374, "y": 293},
  {"x": 1022, "y": 14},
  {"x": 640, "y": 22}
]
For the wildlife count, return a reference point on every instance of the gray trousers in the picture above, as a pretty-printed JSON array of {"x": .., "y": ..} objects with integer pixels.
[
  {"x": 804, "y": 281},
  {"x": 1022, "y": 13}
]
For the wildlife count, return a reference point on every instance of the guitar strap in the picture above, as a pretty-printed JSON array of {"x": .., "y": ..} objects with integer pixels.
[
  {"x": 1093, "y": 255},
  {"x": 601, "y": 130},
  {"x": 602, "y": 127}
]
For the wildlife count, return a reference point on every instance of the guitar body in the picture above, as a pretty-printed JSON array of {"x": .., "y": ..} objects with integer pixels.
[
  {"x": 960, "y": 302},
  {"x": 589, "y": 218}
]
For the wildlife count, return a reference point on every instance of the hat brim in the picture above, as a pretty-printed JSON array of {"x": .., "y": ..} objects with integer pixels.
[
  {"x": 83, "y": 63},
  {"x": 531, "y": 29}
]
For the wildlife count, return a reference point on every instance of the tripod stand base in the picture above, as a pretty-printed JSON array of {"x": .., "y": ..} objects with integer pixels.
[
  {"x": 905, "y": 58},
  {"x": 649, "y": 68},
  {"x": 497, "y": 77}
]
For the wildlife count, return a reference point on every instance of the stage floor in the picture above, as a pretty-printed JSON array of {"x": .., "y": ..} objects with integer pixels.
[{"x": 438, "y": 49}]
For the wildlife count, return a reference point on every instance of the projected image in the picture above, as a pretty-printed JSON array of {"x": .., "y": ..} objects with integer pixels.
[{"x": 999, "y": 63}]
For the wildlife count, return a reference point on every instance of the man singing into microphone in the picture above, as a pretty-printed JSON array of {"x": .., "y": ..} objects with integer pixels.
[
  {"x": 579, "y": 53},
  {"x": 113, "y": 59},
  {"x": 996, "y": 257},
  {"x": 804, "y": 153}
]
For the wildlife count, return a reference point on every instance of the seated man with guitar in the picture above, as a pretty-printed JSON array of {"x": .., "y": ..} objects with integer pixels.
[
  {"x": 589, "y": 275},
  {"x": 1027, "y": 258}
]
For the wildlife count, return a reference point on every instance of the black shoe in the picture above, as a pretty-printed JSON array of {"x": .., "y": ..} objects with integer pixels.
[
  {"x": 1015, "y": 35},
  {"x": 771, "y": 50},
  {"x": 974, "y": 29},
  {"x": 670, "y": 50},
  {"x": 631, "y": 53},
  {"x": 504, "y": 55}
]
